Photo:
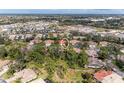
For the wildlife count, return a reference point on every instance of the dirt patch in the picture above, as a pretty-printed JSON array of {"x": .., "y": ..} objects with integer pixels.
[
  {"x": 4, "y": 62},
  {"x": 71, "y": 76}
]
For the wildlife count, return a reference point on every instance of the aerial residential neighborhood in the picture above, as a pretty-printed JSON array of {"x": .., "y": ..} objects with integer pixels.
[{"x": 62, "y": 49}]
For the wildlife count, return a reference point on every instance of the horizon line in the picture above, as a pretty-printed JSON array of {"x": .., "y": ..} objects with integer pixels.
[{"x": 61, "y": 11}]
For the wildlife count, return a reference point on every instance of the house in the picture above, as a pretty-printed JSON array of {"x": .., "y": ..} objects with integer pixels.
[
  {"x": 55, "y": 35},
  {"x": 28, "y": 36},
  {"x": 91, "y": 53},
  {"x": 113, "y": 78},
  {"x": 104, "y": 76},
  {"x": 92, "y": 45},
  {"x": 61, "y": 34},
  {"x": 73, "y": 42},
  {"x": 95, "y": 63},
  {"x": 39, "y": 36},
  {"x": 64, "y": 43},
  {"x": 48, "y": 42},
  {"x": 100, "y": 75},
  {"x": 103, "y": 43},
  {"x": 122, "y": 50},
  {"x": 120, "y": 58},
  {"x": 12, "y": 37},
  {"x": 79, "y": 37}
]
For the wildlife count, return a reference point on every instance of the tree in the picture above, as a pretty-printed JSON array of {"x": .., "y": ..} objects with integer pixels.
[
  {"x": 14, "y": 53},
  {"x": 40, "y": 48},
  {"x": 3, "y": 52},
  {"x": 87, "y": 77},
  {"x": 71, "y": 58},
  {"x": 50, "y": 67},
  {"x": 113, "y": 49},
  {"x": 89, "y": 37},
  {"x": 97, "y": 38},
  {"x": 119, "y": 64},
  {"x": 103, "y": 53},
  {"x": 7, "y": 42},
  {"x": 34, "y": 56},
  {"x": 82, "y": 59},
  {"x": 2, "y": 40},
  {"x": 20, "y": 64},
  {"x": 54, "y": 51}
]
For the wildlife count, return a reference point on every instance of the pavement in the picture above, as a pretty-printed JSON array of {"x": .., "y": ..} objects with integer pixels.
[
  {"x": 115, "y": 68},
  {"x": 39, "y": 80}
]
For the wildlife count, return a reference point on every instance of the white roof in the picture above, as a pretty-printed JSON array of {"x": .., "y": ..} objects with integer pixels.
[{"x": 113, "y": 78}]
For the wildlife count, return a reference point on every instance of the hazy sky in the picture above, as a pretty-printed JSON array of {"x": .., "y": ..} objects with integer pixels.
[{"x": 61, "y": 11}]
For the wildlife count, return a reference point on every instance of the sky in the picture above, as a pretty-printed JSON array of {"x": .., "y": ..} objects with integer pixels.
[{"x": 61, "y": 11}]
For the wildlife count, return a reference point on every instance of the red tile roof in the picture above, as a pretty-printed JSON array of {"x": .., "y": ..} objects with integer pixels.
[
  {"x": 101, "y": 74},
  {"x": 62, "y": 42}
]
